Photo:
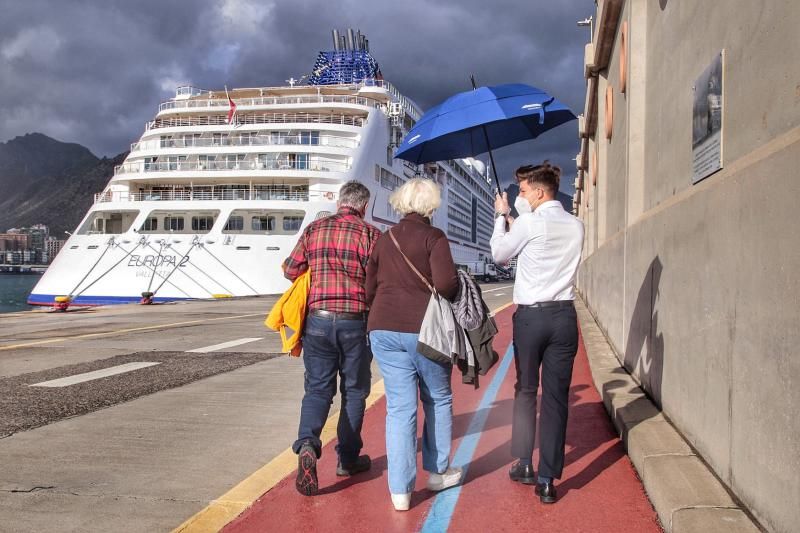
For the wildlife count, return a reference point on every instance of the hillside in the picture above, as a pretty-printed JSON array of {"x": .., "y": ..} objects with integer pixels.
[{"x": 50, "y": 182}]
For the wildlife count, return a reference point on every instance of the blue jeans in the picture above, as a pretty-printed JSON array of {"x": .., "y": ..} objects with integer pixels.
[
  {"x": 334, "y": 347},
  {"x": 404, "y": 373}
]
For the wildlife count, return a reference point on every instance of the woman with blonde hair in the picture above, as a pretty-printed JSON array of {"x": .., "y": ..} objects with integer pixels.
[{"x": 398, "y": 299}]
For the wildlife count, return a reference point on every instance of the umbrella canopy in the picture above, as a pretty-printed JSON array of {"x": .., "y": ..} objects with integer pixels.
[{"x": 477, "y": 121}]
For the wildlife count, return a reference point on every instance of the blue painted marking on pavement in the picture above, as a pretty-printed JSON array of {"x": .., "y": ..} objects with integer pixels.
[{"x": 441, "y": 512}]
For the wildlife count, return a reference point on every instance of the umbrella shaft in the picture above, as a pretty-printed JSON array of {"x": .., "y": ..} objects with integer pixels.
[{"x": 491, "y": 158}]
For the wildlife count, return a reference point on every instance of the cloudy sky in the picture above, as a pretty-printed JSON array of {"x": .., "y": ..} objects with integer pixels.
[{"x": 93, "y": 71}]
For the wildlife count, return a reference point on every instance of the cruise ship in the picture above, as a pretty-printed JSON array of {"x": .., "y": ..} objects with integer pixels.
[{"x": 214, "y": 195}]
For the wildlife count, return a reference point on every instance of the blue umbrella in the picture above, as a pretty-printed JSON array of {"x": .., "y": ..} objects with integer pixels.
[{"x": 474, "y": 122}]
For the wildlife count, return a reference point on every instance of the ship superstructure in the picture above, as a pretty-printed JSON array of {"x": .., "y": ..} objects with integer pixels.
[{"x": 215, "y": 193}]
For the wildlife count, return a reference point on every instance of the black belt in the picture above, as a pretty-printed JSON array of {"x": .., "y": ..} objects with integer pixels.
[
  {"x": 338, "y": 315},
  {"x": 558, "y": 303}
]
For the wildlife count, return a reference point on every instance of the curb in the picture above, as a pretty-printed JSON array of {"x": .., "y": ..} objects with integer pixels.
[{"x": 686, "y": 495}]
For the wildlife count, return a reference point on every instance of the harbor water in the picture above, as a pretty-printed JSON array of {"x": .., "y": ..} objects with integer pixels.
[{"x": 14, "y": 290}]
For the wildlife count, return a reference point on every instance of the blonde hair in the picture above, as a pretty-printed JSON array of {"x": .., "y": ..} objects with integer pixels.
[{"x": 417, "y": 195}]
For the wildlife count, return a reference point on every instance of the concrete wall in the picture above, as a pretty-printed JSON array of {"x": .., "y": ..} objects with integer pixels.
[{"x": 696, "y": 285}]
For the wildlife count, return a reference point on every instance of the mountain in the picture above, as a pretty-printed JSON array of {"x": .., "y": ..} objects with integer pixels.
[{"x": 45, "y": 181}]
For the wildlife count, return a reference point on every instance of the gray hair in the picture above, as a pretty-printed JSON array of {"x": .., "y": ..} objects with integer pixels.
[{"x": 354, "y": 194}]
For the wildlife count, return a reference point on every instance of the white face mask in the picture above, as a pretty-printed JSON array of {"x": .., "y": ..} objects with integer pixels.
[{"x": 522, "y": 206}]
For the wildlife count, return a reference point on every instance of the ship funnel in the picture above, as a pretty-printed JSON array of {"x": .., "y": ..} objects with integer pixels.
[
  {"x": 351, "y": 39},
  {"x": 336, "y": 40}
]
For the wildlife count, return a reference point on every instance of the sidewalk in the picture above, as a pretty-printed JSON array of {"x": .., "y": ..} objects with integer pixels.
[{"x": 599, "y": 491}]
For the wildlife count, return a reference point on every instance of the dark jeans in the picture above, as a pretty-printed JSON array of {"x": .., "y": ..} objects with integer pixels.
[
  {"x": 546, "y": 337},
  {"x": 331, "y": 347}
]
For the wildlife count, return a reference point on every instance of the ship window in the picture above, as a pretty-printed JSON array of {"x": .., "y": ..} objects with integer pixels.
[
  {"x": 202, "y": 223},
  {"x": 173, "y": 223},
  {"x": 292, "y": 223},
  {"x": 263, "y": 223},
  {"x": 235, "y": 223},
  {"x": 108, "y": 222},
  {"x": 278, "y": 137},
  {"x": 298, "y": 161},
  {"x": 150, "y": 224},
  {"x": 309, "y": 137}
]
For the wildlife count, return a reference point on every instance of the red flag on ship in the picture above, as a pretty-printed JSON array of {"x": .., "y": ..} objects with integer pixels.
[{"x": 232, "y": 108}]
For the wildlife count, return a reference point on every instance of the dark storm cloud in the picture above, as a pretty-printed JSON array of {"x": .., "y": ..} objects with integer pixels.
[{"x": 94, "y": 72}]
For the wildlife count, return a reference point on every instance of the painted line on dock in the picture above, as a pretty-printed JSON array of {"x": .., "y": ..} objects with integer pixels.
[
  {"x": 497, "y": 289},
  {"x": 504, "y": 306},
  {"x": 127, "y": 330},
  {"x": 222, "y": 346},
  {"x": 441, "y": 511},
  {"x": 96, "y": 374},
  {"x": 227, "y": 507}
]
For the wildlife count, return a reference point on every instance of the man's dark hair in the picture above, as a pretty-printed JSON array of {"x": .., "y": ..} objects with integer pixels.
[
  {"x": 545, "y": 175},
  {"x": 354, "y": 194}
]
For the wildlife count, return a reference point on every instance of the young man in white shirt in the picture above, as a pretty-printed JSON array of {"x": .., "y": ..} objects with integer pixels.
[{"x": 547, "y": 242}]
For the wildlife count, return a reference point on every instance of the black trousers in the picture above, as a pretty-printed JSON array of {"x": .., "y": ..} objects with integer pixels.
[{"x": 548, "y": 338}]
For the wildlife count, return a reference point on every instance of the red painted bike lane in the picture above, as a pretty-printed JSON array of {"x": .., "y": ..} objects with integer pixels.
[{"x": 599, "y": 490}]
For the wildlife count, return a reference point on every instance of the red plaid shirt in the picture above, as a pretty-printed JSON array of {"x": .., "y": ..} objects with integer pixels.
[{"x": 336, "y": 248}]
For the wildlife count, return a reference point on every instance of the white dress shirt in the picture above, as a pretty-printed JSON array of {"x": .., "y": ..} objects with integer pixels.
[{"x": 548, "y": 244}]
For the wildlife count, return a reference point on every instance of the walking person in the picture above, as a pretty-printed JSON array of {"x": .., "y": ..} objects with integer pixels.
[
  {"x": 547, "y": 242},
  {"x": 398, "y": 299},
  {"x": 336, "y": 250}
]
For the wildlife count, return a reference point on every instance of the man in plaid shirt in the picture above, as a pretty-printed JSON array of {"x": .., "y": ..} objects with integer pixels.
[{"x": 336, "y": 249}]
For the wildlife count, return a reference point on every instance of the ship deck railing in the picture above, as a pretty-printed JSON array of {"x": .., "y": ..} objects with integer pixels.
[
  {"x": 331, "y": 141},
  {"x": 269, "y": 100},
  {"x": 262, "y": 118},
  {"x": 189, "y": 195},
  {"x": 216, "y": 166}
]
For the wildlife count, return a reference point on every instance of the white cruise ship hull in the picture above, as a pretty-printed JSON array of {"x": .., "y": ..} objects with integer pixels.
[{"x": 101, "y": 270}]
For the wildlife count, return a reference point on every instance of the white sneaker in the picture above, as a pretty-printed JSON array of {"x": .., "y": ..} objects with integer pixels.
[
  {"x": 450, "y": 478},
  {"x": 401, "y": 502}
]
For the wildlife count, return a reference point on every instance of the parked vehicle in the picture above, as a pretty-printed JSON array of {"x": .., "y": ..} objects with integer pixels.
[
  {"x": 480, "y": 270},
  {"x": 504, "y": 273}
]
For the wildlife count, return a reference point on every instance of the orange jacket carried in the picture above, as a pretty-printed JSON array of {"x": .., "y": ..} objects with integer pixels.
[{"x": 290, "y": 312}]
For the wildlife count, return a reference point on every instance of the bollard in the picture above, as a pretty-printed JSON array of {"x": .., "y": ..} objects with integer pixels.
[
  {"x": 147, "y": 298},
  {"x": 61, "y": 303}
]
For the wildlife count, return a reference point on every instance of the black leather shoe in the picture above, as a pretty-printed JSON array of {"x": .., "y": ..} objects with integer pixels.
[
  {"x": 362, "y": 464},
  {"x": 546, "y": 492},
  {"x": 522, "y": 474},
  {"x": 306, "y": 482}
]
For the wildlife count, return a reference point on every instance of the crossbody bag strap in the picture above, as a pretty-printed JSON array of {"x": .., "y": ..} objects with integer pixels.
[{"x": 410, "y": 264}]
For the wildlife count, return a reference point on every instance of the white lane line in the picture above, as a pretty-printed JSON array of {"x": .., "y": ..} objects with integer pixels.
[
  {"x": 97, "y": 374},
  {"x": 497, "y": 289},
  {"x": 500, "y": 294},
  {"x": 224, "y": 345}
]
